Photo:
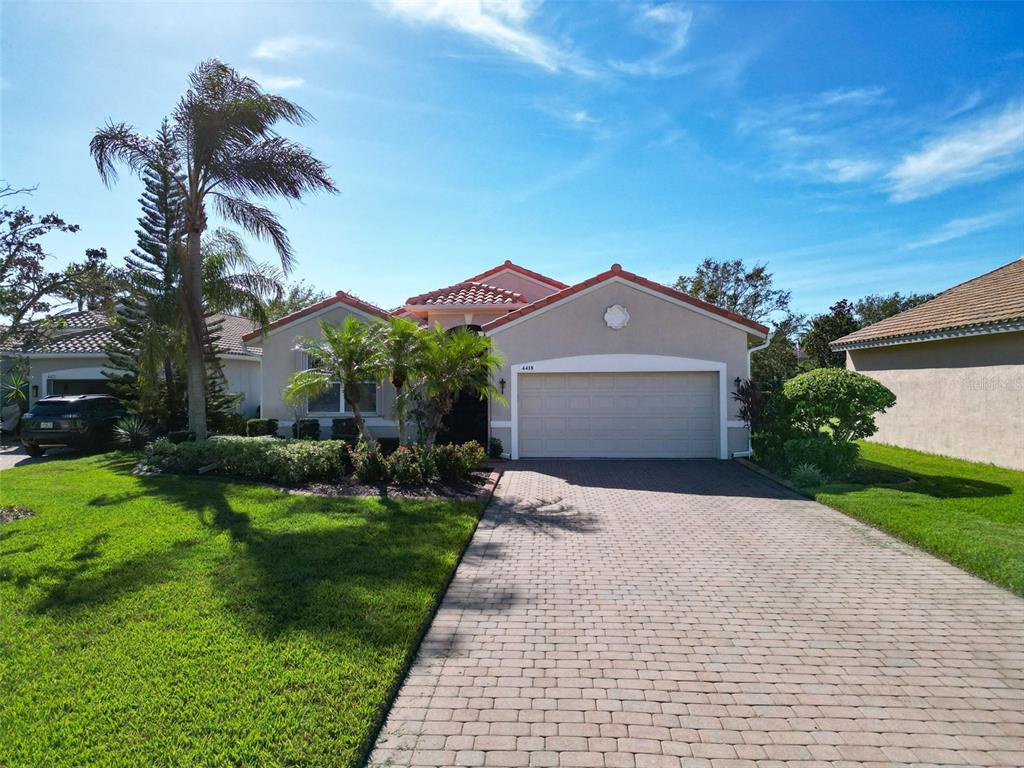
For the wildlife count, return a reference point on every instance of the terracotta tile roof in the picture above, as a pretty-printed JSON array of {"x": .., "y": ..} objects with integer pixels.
[
  {"x": 618, "y": 271},
  {"x": 341, "y": 297},
  {"x": 467, "y": 292},
  {"x": 231, "y": 332},
  {"x": 991, "y": 299},
  {"x": 521, "y": 270}
]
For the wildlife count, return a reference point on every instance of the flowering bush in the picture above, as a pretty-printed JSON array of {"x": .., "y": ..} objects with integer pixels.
[
  {"x": 410, "y": 465},
  {"x": 369, "y": 465}
]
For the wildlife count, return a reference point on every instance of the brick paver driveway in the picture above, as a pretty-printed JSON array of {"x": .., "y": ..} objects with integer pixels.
[{"x": 689, "y": 613}]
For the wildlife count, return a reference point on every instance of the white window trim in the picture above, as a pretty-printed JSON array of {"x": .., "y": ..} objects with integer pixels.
[
  {"x": 622, "y": 363},
  {"x": 341, "y": 397}
]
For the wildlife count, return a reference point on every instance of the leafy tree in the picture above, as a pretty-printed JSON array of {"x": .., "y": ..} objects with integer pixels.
[
  {"x": 451, "y": 363},
  {"x": 402, "y": 342},
  {"x": 27, "y": 288},
  {"x": 777, "y": 362},
  {"x": 875, "y": 307},
  {"x": 94, "y": 284},
  {"x": 348, "y": 352},
  {"x": 732, "y": 285},
  {"x": 837, "y": 401},
  {"x": 295, "y": 296},
  {"x": 826, "y": 328},
  {"x": 223, "y": 133}
]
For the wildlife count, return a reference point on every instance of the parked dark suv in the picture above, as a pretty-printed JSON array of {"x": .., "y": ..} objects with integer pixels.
[{"x": 76, "y": 421}]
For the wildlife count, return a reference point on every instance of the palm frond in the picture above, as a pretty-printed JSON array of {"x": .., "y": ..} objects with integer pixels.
[
  {"x": 119, "y": 142},
  {"x": 258, "y": 221},
  {"x": 274, "y": 166}
]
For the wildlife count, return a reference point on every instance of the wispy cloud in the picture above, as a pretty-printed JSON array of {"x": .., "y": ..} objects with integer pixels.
[
  {"x": 275, "y": 82},
  {"x": 501, "y": 24},
  {"x": 288, "y": 47},
  {"x": 974, "y": 151},
  {"x": 964, "y": 226},
  {"x": 668, "y": 24}
]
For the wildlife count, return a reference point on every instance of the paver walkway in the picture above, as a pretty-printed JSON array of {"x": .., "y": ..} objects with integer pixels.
[{"x": 648, "y": 614}]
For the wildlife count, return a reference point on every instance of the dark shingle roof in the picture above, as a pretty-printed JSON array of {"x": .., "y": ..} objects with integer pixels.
[{"x": 994, "y": 298}]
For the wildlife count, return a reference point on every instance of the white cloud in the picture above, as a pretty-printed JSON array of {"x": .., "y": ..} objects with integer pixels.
[
  {"x": 962, "y": 227},
  {"x": 501, "y": 24},
  {"x": 288, "y": 46},
  {"x": 669, "y": 24},
  {"x": 844, "y": 170},
  {"x": 275, "y": 82},
  {"x": 975, "y": 151}
]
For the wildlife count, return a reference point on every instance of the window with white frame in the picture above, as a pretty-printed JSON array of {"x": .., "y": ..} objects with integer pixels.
[{"x": 332, "y": 400}]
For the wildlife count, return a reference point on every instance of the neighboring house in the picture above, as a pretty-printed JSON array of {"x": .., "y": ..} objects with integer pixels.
[
  {"x": 956, "y": 365},
  {"x": 72, "y": 361},
  {"x": 614, "y": 366}
]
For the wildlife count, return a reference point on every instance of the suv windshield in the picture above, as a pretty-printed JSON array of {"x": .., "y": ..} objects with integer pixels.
[{"x": 56, "y": 408}]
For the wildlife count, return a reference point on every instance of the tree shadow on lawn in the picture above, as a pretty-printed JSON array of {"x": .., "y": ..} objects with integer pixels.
[
  {"x": 347, "y": 571},
  {"x": 875, "y": 474}
]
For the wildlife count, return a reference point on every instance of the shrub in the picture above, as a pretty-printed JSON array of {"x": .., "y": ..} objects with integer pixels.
[
  {"x": 771, "y": 430},
  {"x": 838, "y": 401},
  {"x": 288, "y": 462},
  {"x": 807, "y": 476},
  {"x": 495, "y": 448},
  {"x": 409, "y": 465},
  {"x": 180, "y": 435},
  {"x": 344, "y": 429},
  {"x": 231, "y": 423},
  {"x": 306, "y": 429},
  {"x": 471, "y": 455},
  {"x": 369, "y": 465},
  {"x": 447, "y": 462},
  {"x": 133, "y": 432},
  {"x": 834, "y": 459},
  {"x": 260, "y": 427}
]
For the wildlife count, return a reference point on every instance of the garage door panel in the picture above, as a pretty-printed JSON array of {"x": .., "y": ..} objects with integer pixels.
[{"x": 619, "y": 415}]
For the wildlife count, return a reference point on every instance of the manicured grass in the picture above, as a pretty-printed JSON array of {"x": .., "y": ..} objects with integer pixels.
[
  {"x": 969, "y": 514},
  {"x": 170, "y": 621}
]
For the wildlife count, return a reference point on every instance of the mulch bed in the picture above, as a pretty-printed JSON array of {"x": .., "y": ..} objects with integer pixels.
[
  {"x": 477, "y": 487},
  {"x": 11, "y": 512}
]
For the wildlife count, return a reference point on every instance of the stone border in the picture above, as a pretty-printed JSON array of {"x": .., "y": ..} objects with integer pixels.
[{"x": 771, "y": 476}]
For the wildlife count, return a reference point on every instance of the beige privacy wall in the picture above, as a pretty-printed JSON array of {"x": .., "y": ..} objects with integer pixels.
[
  {"x": 656, "y": 327},
  {"x": 961, "y": 397}
]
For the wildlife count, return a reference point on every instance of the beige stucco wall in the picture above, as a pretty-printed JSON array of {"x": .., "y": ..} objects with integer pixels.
[
  {"x": 243, "y": 378},
  {"x": 511, "y": 280},
  {"x": 961, "y": 397},
  {"x": 656, "y": 327},
  {"x": 281, "y": 359}
]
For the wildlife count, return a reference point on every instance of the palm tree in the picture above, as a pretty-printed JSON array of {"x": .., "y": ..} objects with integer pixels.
[
  {"x": 223, "y": 133},
  {"x": 401, "y": 342},
  {"x": 452, "y": 363},
  {"x": 349, "y": 353}
]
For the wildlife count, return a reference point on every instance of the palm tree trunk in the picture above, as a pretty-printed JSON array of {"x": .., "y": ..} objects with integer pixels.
[
  {"x": 172, "y": 392},
  {"x": 403, "y": 427},
  {"x": 195, "y": 318},
  {"x": 357, "y": 416}
]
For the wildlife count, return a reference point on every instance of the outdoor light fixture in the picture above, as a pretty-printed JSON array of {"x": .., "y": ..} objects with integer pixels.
[
  {"x": 501, "y": 383},
  {"x": 738, "y": 381}
]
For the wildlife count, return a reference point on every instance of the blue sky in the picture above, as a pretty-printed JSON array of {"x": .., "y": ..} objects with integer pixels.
[{"x": 855, "y": 148}]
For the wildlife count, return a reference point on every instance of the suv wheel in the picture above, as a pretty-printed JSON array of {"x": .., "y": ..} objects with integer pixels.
[{"x": 33, "y": 450}]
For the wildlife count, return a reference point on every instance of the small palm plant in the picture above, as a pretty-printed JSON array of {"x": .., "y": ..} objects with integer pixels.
[
  {"x": 449, "y": 364},
  {"x": 133, "y": 432},
  {"x": 349, "y": 352},
  {"x": 401, "y": 342}
]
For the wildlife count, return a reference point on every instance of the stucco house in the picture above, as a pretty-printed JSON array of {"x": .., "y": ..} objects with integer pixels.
[
  {"x": 956, "y": 365},
  {"x": 614, "y": 366},
  {"x": 71, "y": 360}
]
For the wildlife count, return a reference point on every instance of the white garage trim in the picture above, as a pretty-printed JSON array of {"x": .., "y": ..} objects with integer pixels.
[
  {"x": 79, "y": 373},
  {"x": 622, "y": 364}
]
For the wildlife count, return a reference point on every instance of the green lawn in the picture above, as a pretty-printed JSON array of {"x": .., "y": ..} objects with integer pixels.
[
  {"x": 969, "y": 514},
  {"x": 172, "y": 621}
]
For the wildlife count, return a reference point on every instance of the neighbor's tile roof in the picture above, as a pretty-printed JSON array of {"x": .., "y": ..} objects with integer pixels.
[
  {"x": 994, "y": 298},
  {"x": 341, "y": 297},
  {"x": 618, "y": 272},
  {"x": 88, "y": 332},
  {"x": 466, "y": 292}
]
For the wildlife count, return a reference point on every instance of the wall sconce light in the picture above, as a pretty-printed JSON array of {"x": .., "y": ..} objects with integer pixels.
[
  {"x": 501, "y": 383},
  {"x": 737, "y": 381},
  {"x": 35, "y": 391}
]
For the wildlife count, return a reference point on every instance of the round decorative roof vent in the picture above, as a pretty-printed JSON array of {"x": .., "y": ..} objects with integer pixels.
[{"x": 616, "y": 317}]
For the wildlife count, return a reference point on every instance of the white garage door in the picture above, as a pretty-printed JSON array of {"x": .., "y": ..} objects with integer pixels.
[{"x": 618, "y": 415}]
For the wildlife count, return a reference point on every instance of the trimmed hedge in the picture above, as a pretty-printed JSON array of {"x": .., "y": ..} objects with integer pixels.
[
  {"x": 833, "y": 459},
  {"x": 288, "y": 462},
  {"x": 260, "y": 427},
  {"x": 298, "y": 461},
  {"x": 306, "y": 429}
]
